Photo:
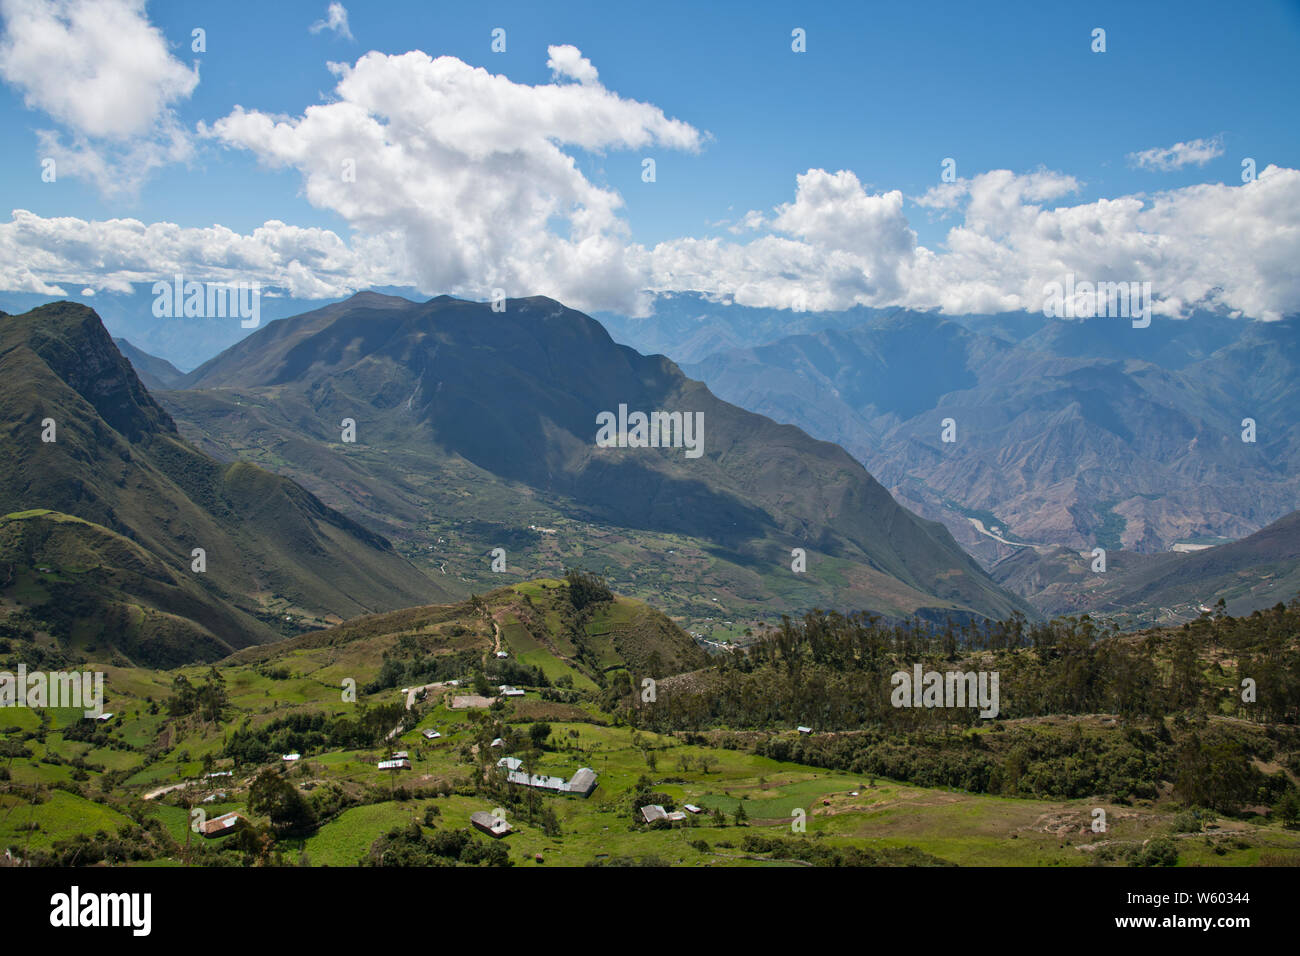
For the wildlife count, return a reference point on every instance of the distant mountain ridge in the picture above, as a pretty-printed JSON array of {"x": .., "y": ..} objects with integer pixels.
[
  {"x": 1080, "y": 433},
  {"x": 449, "y": 393},
  {"x": 1255, "y": 573}
]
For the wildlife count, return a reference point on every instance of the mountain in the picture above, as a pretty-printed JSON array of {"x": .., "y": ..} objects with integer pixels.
[
  {"x": 101, "y": 521},
  {"x": 154, "y": 372},
  {"x": 476, "y": 430},
  {"x": 687, "y": 326},
  {"x": 1077, "y": 434},
  {"x": 1138, "y": 590}
]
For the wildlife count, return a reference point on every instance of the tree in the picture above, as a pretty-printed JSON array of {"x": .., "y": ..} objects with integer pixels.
[
  {"x": 586, "y": 588},
  {"x": 538, "y": 733},
  {"x": 1288, "y": 809},
  {"x": 273, "y": 795}
]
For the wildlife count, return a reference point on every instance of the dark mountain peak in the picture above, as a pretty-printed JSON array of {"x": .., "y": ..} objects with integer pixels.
[
  {"x": 369, "y": 299},
  {"x": 156, "y": 373},
  {"x": 72, "y": 341}
]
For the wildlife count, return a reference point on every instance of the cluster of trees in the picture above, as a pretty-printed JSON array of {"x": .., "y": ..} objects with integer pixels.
[
  {"x": 586, "y": 588},
  {"x": 304, "y": 732},
  {"x": 819, "y": 854},
  {"x": 832, "y": 671},
  {"x": 411, "y": 846},
  {"x": 289, "y": 812},
  {"x": 208, "y": 700}
]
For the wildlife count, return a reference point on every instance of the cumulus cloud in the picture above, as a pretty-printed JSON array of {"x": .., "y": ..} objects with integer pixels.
[
  {"x": 336, "y": 19},
  {"x": 44, "y": 255},
  {"x": 568, "y": 61},
  {"x": 466, "y": 174},
  {"x": 105, "y": 74},
  {"x": 452, "y": 179},
  {"x": 1209, "y": 245},
  {"x": 1195, "y": 152}
]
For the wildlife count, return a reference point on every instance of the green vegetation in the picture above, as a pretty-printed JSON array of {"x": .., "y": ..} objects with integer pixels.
[{"x": 1186, "y": 772}]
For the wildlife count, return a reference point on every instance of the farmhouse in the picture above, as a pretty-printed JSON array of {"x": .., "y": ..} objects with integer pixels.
[
  {"x": 508, "y": 691},
  {"x": 220, "y": 826},
  {"x": 804, "y": 730},
  {"x": 290, "y": 758},
  {"x": 582, "y": 783},
  {"x": 394, "y": 765},
  {"x": 655, "y": 812},
  {"x": 493, "y": 826},
  {"x": 431, "y": 735}
]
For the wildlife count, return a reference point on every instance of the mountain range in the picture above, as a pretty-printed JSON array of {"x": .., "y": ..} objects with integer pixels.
[
  {"x": 118, "y": 533},
  {"x": 1080, "y": 433},
  {"x": 475, "y": 430}
]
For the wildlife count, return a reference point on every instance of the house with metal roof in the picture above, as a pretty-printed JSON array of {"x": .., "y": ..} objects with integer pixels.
[
  {"x": 220, "y": 826},
  {"x": 582, "y": 783},
  {"x": 490, "y": 824}
]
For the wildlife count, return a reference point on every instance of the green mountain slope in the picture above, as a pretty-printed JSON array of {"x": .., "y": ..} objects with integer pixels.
[
  {"x": 473, "y": 425},
  {"x": 271, "y": 548}
]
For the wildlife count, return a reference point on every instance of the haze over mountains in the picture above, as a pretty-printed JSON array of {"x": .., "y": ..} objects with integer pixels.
[
  {"x": 475, "y": 430},
  {"x": 1073, "y": 433}
]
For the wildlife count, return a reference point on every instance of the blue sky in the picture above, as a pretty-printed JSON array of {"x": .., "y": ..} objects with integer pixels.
[{"x": 884, "y": 91}]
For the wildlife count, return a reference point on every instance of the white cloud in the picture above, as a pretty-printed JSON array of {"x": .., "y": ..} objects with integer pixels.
[
  {"x": 466, "y": 181},
  {"x": 44, "y": 255},
  {"x": 465, "y": 174},
  {"x": 568, "y": 61},
  {"x": 1230, "y": 246},
  {"x": 102, "y": 71},
  {"x": 1194, "y": 152},
  {"x": 336, "y": 19},
  {"x": 1213, "y": 245}
]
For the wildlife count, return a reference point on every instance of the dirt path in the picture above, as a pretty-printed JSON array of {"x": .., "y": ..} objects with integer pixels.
[
  {"x": 412, "y": 691},
  {"x": 154, "y": 794}
]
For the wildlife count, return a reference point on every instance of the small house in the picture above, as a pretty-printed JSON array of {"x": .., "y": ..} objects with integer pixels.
[
  {"x": 431, "y": 735},
  {"x": 220, "y": 826},
  {"x": 583, "y": 782},
  {"x": 394, "y": 765},
  {"x": 490, "y": 824}
]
